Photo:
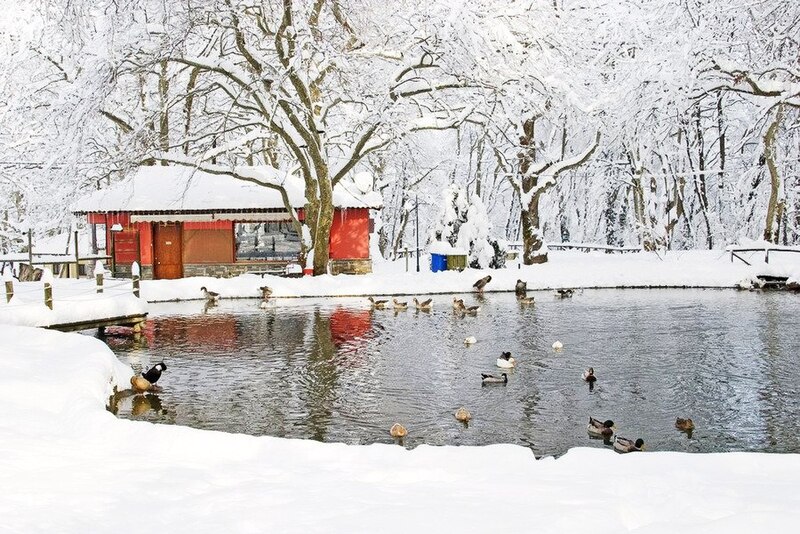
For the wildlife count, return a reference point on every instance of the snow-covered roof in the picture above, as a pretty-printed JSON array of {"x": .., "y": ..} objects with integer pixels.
[{"x": 180, "y": 189}]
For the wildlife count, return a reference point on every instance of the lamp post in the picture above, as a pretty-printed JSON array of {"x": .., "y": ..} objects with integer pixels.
[
  {"x": 115, "y": 229},
  {"x": 416, "y": 208}
]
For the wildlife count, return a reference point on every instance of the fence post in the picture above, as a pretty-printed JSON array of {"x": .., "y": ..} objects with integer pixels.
[
  {"x": 135, "y": 277},
  {"x": 47, "y": 278},
  {"x": 98, "y": 275},
  {"x": 77, "y": 256},
  {"x": 9, "y": 286}
]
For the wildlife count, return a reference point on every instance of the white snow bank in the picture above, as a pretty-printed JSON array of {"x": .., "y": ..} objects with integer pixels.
[{"x": 69, "y": 466}]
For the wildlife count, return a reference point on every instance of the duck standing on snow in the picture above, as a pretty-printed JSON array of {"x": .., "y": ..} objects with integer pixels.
[
  {"x": 599, "y": 428},
  {"x": 425, "y": 305},
  {"x": 377, "y": 304},
  {"x": 480, "y": 284},
  {"x": 491, "y": 379},
  {"x": 506, "y": 361},
  {"x": 211, "y": 296},
  {"x": 628, "y": 445}
]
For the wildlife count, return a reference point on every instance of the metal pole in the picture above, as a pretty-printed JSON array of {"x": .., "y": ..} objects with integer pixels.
[
  {"x": 113, "y": 254},
  {"x": 416, "y": 197},
  {"x": 77, "y": 257},
  {"x": 30, "y": 247}
]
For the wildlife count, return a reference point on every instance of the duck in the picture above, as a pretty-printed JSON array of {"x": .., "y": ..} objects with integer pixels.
[
  {"x": 377, "y": 304},
  {"x": 565, "y": 293},
  {"x": 398, "y": 305},
  {"x": 600, "y": 428},
  {"x": 212, "y": 296},
  {"x": 557, "y": 346},
  {"x": 628, "y": 445},
  {"x": 685, "y": 425},
  {"x": 471, "y": 310},
  {"x": 266, "y": 292},
  {"x": 525, "y": 300},
  {"x": 425, "y": 305},
  {"x": 458, "y": 304},
  {"x": 588, "y": 375},
  {"x": 521, "y": 289},
  {"x": 480, "y": 284},
  {"x": 154, "y": 373},
  {"x": 470, "y": 340},
  {"x": 506, "y": 361},
  {"x": 491, "y": 379},
  {"x": 398, "y": 431},
  {"x": 463, "y": 415},
  {"x": 140, "y": 384}
]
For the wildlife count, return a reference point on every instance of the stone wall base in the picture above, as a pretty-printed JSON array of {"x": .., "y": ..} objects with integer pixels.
[{"x": 357, "y": 266}]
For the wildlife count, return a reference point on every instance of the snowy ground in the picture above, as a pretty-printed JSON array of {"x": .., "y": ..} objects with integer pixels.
[{"x": 67, "y": 465}]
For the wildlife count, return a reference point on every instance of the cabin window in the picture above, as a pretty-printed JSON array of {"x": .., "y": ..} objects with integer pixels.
[{"x": 266, "y": 241}]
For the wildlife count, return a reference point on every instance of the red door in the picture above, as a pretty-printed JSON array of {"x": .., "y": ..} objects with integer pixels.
[{"x": 167, "y": 251}]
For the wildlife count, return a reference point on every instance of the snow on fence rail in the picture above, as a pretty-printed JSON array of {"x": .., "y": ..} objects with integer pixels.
[{"x": 72, "y": 304}]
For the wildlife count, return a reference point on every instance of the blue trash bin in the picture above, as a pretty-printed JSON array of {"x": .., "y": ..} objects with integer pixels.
[{"x": 438, "y": 262}]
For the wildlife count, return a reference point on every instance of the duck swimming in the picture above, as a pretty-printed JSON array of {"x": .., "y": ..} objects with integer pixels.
[
  {"x": 398, "y": 431},
  {"x": 154, "y": 373},
  {"x": 470, "y": 340},
  {"x": 684, "y": 425},
  {"x": 627, "y": 445},
  {"x": 463, "y": 415},
  {"x": 425, "y": 305},
  {"x": 588, "y": 375},
  {"x": 565, "y": 293},
  {"x": 377, "y": 304},
  {"x": 266, "y": 292},
  {"x": 525, "y": 300},
  {"x": 557, "y": 346},
  {"x": 599, "y": 428},
  {"x": 521, "y": 289},
  {"x": 458, "y": 304},
  {"x": 398, "y": 305},
  {"x": 491, "y": 379},
  {"x": 506, "y": 361}
]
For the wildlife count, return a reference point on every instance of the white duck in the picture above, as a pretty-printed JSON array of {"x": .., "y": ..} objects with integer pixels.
[
  {"x": 470, "y": 340},
  {"x": 506, "y": 361}
]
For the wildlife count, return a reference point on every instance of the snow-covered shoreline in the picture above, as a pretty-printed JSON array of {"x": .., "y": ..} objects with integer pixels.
[{"x": 68, "y": 465}]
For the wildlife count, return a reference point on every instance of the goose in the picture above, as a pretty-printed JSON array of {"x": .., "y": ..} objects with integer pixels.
[
  {"x": 506, "y": 361},
  {"x": 480, "y": 284},
  {"x": 399, "y": 305},
  {"x": 140, "y": 384},
  {"x": 557, "y": 346},
  {"x": 565, "y": 293},
  {"x": 521, "y": 289},
  {"x": 600, "y": 428},
  {"x": 154, "y": 373},
  {"x": 470, "y": 340},
  {"x": 491, "y": 379},
  {"x": 212, "y": 296},
  {"x": 377, "y": 304},
  {"x": 398, "y": 431},
  {"x": 685, "y": 425},
  {"x": 628, "y": 445},
  {"x": 425, "y": 305},
  {"x": 463, "y": 415},
  {"x": 588, "y": 375}
]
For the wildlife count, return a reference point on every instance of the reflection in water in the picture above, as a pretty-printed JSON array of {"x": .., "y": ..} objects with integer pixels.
[{"x": 336, "y": 370}]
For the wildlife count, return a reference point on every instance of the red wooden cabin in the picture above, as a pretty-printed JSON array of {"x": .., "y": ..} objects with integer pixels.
[{"x": 179, "y": 222}]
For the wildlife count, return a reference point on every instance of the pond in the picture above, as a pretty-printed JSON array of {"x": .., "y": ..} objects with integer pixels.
[{"x": 335, "y": 370}]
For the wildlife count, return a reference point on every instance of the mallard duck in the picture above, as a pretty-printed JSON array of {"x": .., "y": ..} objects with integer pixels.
[
  {"x": 600, "y": 428},
  {"x": 140, "y": 383},
  {"x": 398, "y": 305},
  {"x": 266, "y": 292},
  {"x": 377, "y": 304},
  {"x": 458, "y": 304},
  {"x": 398, "y": 431},
  {"x": 470, "y": 340},
  {"x": 154, "y": 373},
  {"x": 588, "y": 375},
  {"x": 628, "y": 445},
  {"x": 506, "y": 361},
  {"x": 212, "y": 296},
  {"x": 557, "y": 346},
  {"x": 525, "y": 300},
  {"x": 471, "y": 310},
  {"x": 521, "y": 289},
  {"x": 684, "y": 425},
  {"x": 480, "y": 284},
  {"x": 491, "y": 379},
  {"x": 565, "y": 293},
  {"x": 463, "y": 415},
  {"x": 425, "y": 305}
]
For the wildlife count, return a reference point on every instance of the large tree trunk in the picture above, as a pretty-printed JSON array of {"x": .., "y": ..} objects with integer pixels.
[
  {"x": 531, "y": 236},
  {"x": 775, "y": 206}
]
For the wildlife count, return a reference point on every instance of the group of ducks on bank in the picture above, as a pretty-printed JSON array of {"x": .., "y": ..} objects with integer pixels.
[{"x": 606, "y": 429}]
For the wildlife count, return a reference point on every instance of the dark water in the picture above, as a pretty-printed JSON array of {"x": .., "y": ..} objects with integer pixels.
[{"x": 334, "y": 370}]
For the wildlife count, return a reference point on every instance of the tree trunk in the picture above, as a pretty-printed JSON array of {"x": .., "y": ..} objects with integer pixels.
[
  {"x": 531, "y": 236},
  {"x": 775, "y": 206}
]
